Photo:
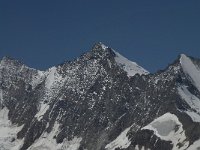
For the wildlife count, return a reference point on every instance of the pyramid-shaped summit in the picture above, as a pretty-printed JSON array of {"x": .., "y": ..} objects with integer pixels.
[{"x": 128, "y": 66}]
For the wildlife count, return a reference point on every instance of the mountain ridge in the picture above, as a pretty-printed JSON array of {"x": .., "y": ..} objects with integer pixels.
[
  {"x": 92, "y": 103},
  {"x": 97, "y": 46}
]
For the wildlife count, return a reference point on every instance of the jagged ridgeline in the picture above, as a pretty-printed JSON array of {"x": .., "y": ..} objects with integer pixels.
[{"x": 100, "y": 101}]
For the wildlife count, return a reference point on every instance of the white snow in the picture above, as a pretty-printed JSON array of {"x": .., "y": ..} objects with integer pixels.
[
  {"x": 50, "y": 78},
  {"x": 43, "y": 108},
  {"x": 190, "y": 69},
  {"x": 142, "y": 148},
  {"x": 8, "y": 132},
  {"x": 37, "y": 79},
  {"x": 194, "y": 116},
  {"x": 1, "y": 96},
  {"x": 121, "y": 141},
  {"x": 103, "y": 46},
  {"x": 169, "y": 128},
  {"x": 194, "y": 146},
  {"x": 130, "y": 67},
  {"x": 74, "y": 144},
  {"x": 53, "y": 82},
  {"x": 48, "y": 142},
  {"x": 53, "y": 78},
  {"x": 192, "y": 101}
]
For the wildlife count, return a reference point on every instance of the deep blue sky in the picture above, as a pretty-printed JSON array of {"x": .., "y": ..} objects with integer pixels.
[{"x": 43, "y": 33}]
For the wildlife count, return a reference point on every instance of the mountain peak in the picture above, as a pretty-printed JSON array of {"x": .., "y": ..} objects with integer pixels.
[
  {"x": 100, "y": 45},
  {"x": 191, "y": 69},
  {"x": 101, "y": 50},
  {"x": 9, "y": 60},
  {"x": 130, "y": 67},
  {"x": 182, "y": 56},
  {"x": 184, "y": 59}
]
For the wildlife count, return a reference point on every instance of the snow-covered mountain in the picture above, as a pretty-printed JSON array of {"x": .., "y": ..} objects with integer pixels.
[{"x": 100, "y": 101}]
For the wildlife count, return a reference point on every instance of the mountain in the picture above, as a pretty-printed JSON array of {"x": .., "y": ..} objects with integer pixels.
[{"x": 100, "y": 101}]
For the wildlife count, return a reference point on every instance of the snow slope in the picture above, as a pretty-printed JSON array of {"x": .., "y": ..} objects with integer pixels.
[
  {"x": 37, "y": 79},
  {"x": 8, "y": 133},
  {"x": 130, "y": 67},
  {"x": 169, "y": 128},
  {"x": 52, "y": 77},
  {"x": 192, "y": 101},
  {"x": 194, "y": 146},
  {"x": 191, "y": 70},
  {"x": 121, "y": 141},
  {"x": 43, "y": 108},
  {"x": 48, "y": 142}
]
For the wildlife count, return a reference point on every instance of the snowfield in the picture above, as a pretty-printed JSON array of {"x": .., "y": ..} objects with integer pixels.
[
  {"x": 130, "y": 67},
  {"x": 191, "y": 70},
  {"x": 8, "y": 133},
  {"x": 169, "y": 128},
  {"x": 9, "y": 141},
  {"x": 192, "y": 101},
  {"x": 121, "y": 141},
  {"x": 48, "y": 142}
]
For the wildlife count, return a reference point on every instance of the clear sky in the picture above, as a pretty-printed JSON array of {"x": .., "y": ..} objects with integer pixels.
[{"x": 43, "y": 33}]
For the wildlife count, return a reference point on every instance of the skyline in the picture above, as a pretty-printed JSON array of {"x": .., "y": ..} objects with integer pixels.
[
  {"x": 45, "y": 33},
  {"x": 10, "y": 57}
]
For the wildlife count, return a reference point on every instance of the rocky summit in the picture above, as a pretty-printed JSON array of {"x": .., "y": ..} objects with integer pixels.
[{"x": 100, "y": 101}]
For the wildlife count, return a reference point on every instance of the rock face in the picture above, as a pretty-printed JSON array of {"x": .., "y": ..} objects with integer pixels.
[{"x": 100, "y": 101}]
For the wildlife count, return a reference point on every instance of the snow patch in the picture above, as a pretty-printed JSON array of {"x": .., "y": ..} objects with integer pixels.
[
  {"x": 137, "y": 147},
  {"x": 195, "y": 145},
  {"x": 121, "y": 141},
  {"x": 48, "y": 142},
  {"x": 169, "y": 128},
  {"x": 130, "y": 67},
  {"x": 103, "y": 46},
  {"x": 194, "y": 116},
  {"x": 192, "y": 101},
  {"x": 37, "y": 79},
  {"x": 43, "y": 108},
  {"x": 52, "y": 78},
  {"x": 8, "y": 132},
  {"x": 1, "y": 97},
  {"x": 190, "y": 69},
  {"x": 74, "y": 144}
]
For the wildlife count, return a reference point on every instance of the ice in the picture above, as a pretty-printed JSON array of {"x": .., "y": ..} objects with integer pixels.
[
  {"x": 121, "y": 141},
  {"x": 190, "y": 69},
  {"x": 130, "y": 67},
  {"x": 169, "y": 128}
]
